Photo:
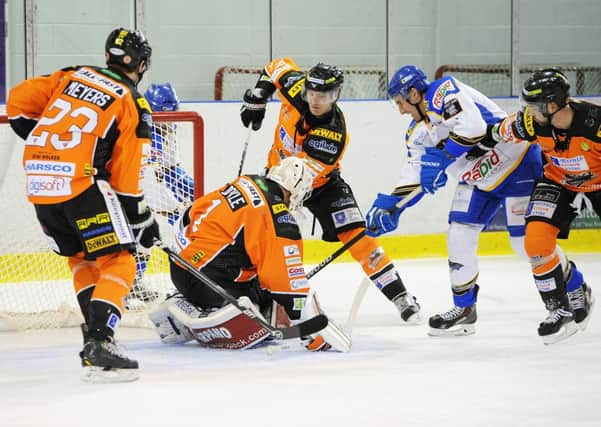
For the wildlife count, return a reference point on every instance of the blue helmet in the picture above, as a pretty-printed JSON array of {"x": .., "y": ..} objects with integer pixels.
[
  {"x": 405, "y": 78},
  {"x": 162, "y": 97}
]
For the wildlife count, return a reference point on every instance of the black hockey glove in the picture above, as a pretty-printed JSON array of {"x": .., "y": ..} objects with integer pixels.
[
  {"x": 146, "y": 230},
  {"x": 253, "y": 108},
  {"x": 523, "y": 126}
]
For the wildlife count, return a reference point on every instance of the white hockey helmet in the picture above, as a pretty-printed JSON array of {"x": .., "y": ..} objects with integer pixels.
[{"x": 293, "y": 174}]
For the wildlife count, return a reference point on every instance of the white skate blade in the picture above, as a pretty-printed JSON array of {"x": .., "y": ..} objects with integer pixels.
[
  {"x": 454, "y": 331},
  {"x": 566, "y": 331},
  {"x": 99, "y": 375},
  {"x": 582, "y": 325}
]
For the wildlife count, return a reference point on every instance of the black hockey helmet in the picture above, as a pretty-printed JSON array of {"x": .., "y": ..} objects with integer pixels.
[
  {"x": 127, "y": 49},
  {"x": 544, "y": 86},
  {"x": 324, "y": 78}
]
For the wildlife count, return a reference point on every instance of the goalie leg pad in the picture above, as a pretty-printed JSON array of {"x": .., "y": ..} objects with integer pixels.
[
  {"x": 170, "y": 329},
  {"x": 225, "y": 328}
]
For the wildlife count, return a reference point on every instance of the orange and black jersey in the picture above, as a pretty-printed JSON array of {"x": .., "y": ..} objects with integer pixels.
[
  {"x": 80, "y": 124},
  {"x": 322, "y": 141},
  {"x": 573, "y": 156},
  {"x": 244, "y": 230}
]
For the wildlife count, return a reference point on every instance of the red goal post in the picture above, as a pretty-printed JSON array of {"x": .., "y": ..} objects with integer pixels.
[
  {"x": 495, "y": 79},
  {"x": 36, "y": 288},
  {"x": 360, "y": 82}
]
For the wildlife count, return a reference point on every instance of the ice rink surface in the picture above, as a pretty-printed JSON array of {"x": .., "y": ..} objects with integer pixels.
[{"x": 395, "y": 375}]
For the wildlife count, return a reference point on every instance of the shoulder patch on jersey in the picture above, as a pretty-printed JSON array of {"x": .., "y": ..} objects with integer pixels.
[
  {"x": 143, "y": 104},
  {"x": 251, "y": 192},
  {"x": 451, "y": 108},
  {"x": 445, "y": 87},
  {"x": 296, "y": 88},
  {"x": 233, "y": 197}
]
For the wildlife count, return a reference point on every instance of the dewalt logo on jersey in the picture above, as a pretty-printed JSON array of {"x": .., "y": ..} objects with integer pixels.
[
  {"x": 327, "y": 133},
  {"x": 101, "y": 242}
]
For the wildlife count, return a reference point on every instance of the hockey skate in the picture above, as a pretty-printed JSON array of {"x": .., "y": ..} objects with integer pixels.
[
  {"x": 408, "y": 308},
  {"x": 582, "y": 303},
  {"x": 558, "y": 325},
  {"x": 104, "y": 362},
  {"x": 458, "y": 321}
]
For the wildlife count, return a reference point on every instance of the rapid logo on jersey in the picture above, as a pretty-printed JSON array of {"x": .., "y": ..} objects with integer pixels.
[
  {"x": 441, "y": 92},
  {"x": 483, "y": 167}
]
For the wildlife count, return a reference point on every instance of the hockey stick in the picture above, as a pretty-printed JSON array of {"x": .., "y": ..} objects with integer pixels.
[
  {"x": 359, "y": 236},
  {"x": 246, "y": 141},
  {"x": 308, "y": 327}
]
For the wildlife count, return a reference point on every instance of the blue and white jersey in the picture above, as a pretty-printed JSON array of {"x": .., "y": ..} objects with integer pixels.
[{"x": 458, "y": 116}]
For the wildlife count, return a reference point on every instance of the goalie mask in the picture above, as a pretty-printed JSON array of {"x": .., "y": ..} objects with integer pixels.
[
  {"x": 127, "y": 49},
  {"x": 404, "y": 79},
  {"x": 293, "y": 175},
  {"x": 545, "y": 86},
  {"x": 326, "y": 80},
  {"x": 162, "y": 97}
]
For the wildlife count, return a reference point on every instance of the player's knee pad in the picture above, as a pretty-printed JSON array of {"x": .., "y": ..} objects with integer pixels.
[
  {"x": 225, "y": 327},
  {"x": 462, "y": 246},
  {"x": 170, "y": 329}
]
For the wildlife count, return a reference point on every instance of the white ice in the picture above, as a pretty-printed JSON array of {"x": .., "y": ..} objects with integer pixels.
[{"x": 395, "y": 375}]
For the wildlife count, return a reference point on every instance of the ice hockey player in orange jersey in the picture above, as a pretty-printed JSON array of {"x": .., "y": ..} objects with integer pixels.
[
  {"x": 87, "y": 135},
  {"x": 312, "y": 126},
  {"x": 244, "y": 237},
  {"x": 569, "y": 134}
]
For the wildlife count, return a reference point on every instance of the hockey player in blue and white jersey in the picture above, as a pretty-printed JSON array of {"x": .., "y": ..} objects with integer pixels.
[
  {"x": 168, "y": 172},
  {"x": 167, "y": 185},
  {"x": 448, "y": 134}
]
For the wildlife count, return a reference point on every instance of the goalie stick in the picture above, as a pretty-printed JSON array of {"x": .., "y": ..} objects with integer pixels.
[
  {"x": 302, "y": 329},
  {"x": 359, "y": 236}
]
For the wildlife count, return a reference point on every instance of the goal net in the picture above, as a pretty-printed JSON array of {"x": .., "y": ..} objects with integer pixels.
[
  {"x": 495, "y": 80},
  {"x": 36, "y": 288},
  {"x": 359, "y": 82}
]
